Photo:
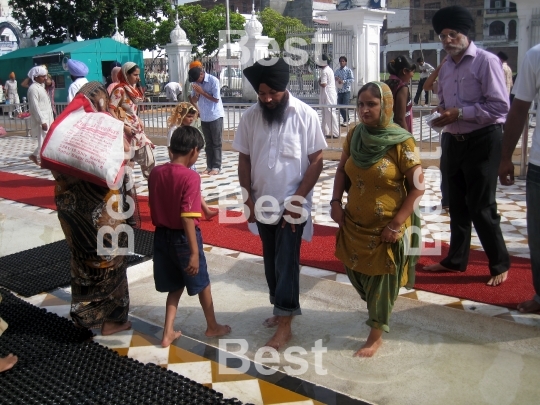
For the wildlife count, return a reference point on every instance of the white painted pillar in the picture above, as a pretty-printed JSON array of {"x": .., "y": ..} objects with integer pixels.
[
  {"x": 384, "y": 62},
  {"x": 525, "y": 10},
  {"x": 178, "y": 55},
  {"x": 366, "y": 25}
]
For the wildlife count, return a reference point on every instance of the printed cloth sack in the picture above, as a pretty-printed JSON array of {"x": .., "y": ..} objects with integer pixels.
[{"x": 86, "y": 144}]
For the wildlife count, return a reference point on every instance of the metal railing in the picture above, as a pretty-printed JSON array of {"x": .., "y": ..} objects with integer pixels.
[
  {"x": 155, "y": 115},
  {"x": 9, "y": 120}
]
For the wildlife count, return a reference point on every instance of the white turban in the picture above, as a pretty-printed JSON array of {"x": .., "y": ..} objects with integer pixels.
[{"x": 37, "y": 71}]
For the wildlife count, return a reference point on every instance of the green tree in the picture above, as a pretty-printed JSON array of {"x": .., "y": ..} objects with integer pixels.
[
  {"x": 146, "y": 23},
  {"x": 54, "y": 21},
  {"x": 189, "y": 17},
  {"x": 215, "y": 20},
  {"x": 201, "y": 26},
  {"x": 141, "y": 34},
  {"x": 276, "y": 26}
]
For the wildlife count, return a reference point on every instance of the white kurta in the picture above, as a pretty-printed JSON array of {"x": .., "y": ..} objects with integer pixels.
[
  {"x": 12, "y": 97},
  {"x": 172, "y": 91},
  {"x": 75, "y": 87},
  {"x": 280, "y": 154},
  {"x": 328, "y": 95},
  {"x": 41, "y": 113},
  {"x": 11, "y": 91}
]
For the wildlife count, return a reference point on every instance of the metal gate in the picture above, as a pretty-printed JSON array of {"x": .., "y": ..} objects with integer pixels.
[
  {"x": 332, "y": 40},
  {"x": 230, "y": 77}
]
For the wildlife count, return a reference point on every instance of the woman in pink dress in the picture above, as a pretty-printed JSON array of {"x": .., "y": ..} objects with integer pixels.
[{"x": 401, "y": 72}]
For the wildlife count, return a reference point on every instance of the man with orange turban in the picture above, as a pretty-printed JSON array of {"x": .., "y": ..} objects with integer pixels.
[
  {"x": 12, "y": 97},
  {"x": 186, "y": 91}
]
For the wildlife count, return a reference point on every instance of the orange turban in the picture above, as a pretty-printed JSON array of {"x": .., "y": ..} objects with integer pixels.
[{"x": 195, "y": 63}]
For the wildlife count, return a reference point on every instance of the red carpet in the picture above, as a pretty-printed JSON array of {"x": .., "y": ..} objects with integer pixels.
[{"x": 319, "y": 252}]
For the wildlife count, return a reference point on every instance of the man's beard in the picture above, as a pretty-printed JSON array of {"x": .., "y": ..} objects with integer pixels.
[
  {"x": 276, "y": 114},
  {"x": 457, "y": 49}
]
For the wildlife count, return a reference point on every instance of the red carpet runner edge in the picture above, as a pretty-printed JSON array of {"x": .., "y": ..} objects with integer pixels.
[{"x": 318, "y": 253}]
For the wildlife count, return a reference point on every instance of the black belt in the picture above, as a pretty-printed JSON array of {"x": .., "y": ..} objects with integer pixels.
[{"x": 478, "y": 132}]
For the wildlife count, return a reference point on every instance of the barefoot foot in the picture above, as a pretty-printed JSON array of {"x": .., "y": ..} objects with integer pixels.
[
  {"x": 374, "y": 341},
  {"x": 498, "y": 280},
  {"x": 220, "y": 330},
  {"x": 528, "y": 307},
  {"x": 436, "y": 268},
  {"x": 7, "y": 362},
  {"x": 33, "y": 159},
  {"x": 168, "y": 338},
  {"x": 369, "y": 349},
  {"x": 277, "y": 342},
  {"x": 283, "y": 333},
  {"x": 109, "y": 328},
  {"x": 271, "y": 322}
]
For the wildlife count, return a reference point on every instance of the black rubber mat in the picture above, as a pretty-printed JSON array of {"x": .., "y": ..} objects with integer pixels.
[
  {"x": 144, "y": 242},
  {"x": 59, "y": 365},
  {"x": 46, "y": 267},
  {"x": 40, "y": 256}
]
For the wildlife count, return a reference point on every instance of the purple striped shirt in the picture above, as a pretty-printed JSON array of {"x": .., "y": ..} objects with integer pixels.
[{"x": 476, "y": 83}]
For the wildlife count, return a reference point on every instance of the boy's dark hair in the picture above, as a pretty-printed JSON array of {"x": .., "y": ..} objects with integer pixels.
[
  {"x": 184, "y": 139},
  {"x": 420, "y": 59},
  {"x": 502, "y": 56},
  {"x": 343, "y": 58}
]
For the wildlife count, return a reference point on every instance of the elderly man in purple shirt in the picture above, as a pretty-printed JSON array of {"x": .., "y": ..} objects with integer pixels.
[{"x": 473, "y": 106}]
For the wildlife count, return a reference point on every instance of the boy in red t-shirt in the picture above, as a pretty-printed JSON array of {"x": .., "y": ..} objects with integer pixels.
[{"x": 175, "y": 207}]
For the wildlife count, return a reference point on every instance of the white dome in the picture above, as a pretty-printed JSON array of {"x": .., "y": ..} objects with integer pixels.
[
  {"x": 178, "y": 35},
  {"x": 253, "y": 27},
  {"x": 118, "y": 37}
]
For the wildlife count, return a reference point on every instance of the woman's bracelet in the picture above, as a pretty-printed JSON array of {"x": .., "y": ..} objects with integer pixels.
[
  {"x": 393, "y": 230},
  {"x": 335, "y": 200}
]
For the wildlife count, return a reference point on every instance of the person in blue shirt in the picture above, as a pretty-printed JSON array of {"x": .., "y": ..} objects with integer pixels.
[
  {"x": 206, "y": 96},
  {"x": 344, "y": 79}
]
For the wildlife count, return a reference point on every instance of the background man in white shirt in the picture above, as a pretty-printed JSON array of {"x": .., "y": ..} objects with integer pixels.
[
  {"x": 172, "y": 91},
  {"x": 78, "y": 72},
  {"x": 526, "y": 88},
  {"x": 328, "y": 96},
  {"x": 280, "y": 143},
  {"x": 425, "y": 70},
  {"x": 39, "y": 104}
]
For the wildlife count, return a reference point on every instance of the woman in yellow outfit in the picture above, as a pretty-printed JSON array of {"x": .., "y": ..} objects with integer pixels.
[{"x": 378, "y": 226}]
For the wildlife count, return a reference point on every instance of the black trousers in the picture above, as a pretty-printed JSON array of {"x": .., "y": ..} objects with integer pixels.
[
  {"x": 472, "y": 165},
  {"x": 419, "y": 90},
  {"x": 445, "y": 140}
]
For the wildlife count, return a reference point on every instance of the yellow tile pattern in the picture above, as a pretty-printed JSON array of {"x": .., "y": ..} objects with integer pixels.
[{"x": 231, "y": 383}]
